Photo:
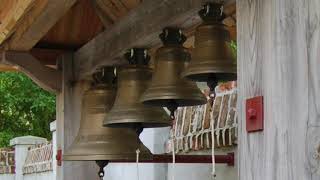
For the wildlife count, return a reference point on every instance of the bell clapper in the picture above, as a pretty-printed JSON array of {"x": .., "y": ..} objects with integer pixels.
[
  {"x": 172, "y": 108},
  {"x": 101, "y": 165},
  {"x": 212, "y": 84},
  {"x": 138, "y": 129}
]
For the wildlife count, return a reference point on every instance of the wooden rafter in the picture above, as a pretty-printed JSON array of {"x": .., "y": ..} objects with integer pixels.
[
  {"x": 110, "y": 11},
  {"x": 47, "y": 78},
  {"x": 38, "y": 21},
  {"x": 11, "y": 12},
  {"x": 106, "y": 19},
  {"x": 139, "y": 28}
]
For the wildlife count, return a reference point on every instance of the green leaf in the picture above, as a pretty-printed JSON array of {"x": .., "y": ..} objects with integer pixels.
[{"x": 25, "y": 109}]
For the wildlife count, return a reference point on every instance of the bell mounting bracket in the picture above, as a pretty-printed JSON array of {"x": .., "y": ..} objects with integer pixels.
[
  {"x": 137, "y": 56},
  {"x": 212, "y": 12},
  {"x": 104, "y": 75},
  {"x": 172, "y": 35}
]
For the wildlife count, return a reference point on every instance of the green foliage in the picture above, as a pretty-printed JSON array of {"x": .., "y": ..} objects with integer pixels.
[
  {"x": 25, "y": 109},
  {"x": 233, "y": 46}
]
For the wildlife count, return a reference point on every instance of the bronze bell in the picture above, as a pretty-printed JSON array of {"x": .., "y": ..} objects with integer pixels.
[
  {"x": 211, "y": 58},
  {"x": 167, "y": 88},
  {"x": 95, "y": 142},
  {"x": 133, "y": 80}
]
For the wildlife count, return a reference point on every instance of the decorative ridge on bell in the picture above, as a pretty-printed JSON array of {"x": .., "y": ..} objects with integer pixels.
[
  {"x": 167, "y": 88},
  {"x": 128, "y": 111},
  {"x": 211, "y": 58}
]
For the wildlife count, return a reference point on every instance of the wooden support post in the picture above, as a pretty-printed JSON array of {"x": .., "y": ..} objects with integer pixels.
[
  {"x": 278, "y": 58},
  {"x": 70, "y": 102},
  {"x": 47, "y": 78}
]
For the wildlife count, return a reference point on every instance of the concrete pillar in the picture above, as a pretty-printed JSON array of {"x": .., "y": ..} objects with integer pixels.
[
  {"x": 21, "y": 145},
  {"x": 53, "y": 129}
]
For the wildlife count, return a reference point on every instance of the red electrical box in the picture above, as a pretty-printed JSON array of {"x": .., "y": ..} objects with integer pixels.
[
  {"x": 254, "y": 114},
  {"x": 59, "y": 157}
]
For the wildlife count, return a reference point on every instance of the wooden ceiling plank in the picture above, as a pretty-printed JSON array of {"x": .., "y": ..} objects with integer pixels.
[
  {"x": 47, "y": 78},
  {"x": 11, "y": 16},
  {"x": 139, "y": 28},
  {"x": 36, "y": 24}
]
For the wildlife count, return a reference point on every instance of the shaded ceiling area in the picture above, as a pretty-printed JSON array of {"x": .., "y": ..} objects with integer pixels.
[
  {"x": 79, "y": 25},
  {"x": 82, "y": 23}
]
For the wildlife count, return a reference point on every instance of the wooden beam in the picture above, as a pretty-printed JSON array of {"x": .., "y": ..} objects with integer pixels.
[
  {"x": 37, "y": 23},
  {"x": 106, "y": 19},
  {"x": 11, "y": 13},
  {"x": 139, "y": 28},
  {"x": 5, "y": 68},
  {"x": 47, "y": 56},
  {"x": 47, "y": 78}
]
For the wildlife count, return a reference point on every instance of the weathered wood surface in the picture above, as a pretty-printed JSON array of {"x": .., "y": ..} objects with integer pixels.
[
  {"x": 11, "y": 12},
  {"x": 70, "y": 101},
  {"x": 278, "y": 57},
  {"x": 140, "y": 27},
  {"x": 47, "y": 78},
  {"x": 43, "y": 15}
]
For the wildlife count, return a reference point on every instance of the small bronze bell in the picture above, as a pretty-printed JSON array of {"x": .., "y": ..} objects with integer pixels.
[
  {"x": 95, "y": 142},
  {"x": 167, "y": 88},
  {"x": 211, "y": 58},
  {"x": 133, "y": 80}
]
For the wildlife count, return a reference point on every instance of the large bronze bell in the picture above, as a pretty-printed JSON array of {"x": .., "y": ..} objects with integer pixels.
[
  {"x": 95, "y": 142},
  {"x": 167, "y": 88},
  {"x": 133, "y": 80},
  {"x": 211, "y": 58}
]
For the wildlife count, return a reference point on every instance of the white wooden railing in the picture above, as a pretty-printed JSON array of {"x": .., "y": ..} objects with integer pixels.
[
  {"x": 39, "y": 159},
  {"x": 193, "y": 125}
]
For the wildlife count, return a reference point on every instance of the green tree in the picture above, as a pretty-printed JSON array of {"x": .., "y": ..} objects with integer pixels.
[{"x": 25, "y": 109}]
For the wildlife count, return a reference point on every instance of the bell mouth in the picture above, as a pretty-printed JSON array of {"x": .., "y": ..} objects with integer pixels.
[
  {"x": 133, "y": 125},
  {"x": 179, "y": 102},
  {"x": 209, "y": 76},
  {"x": 97, "y": 157},
  {"x": 140, "y": 115}
]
